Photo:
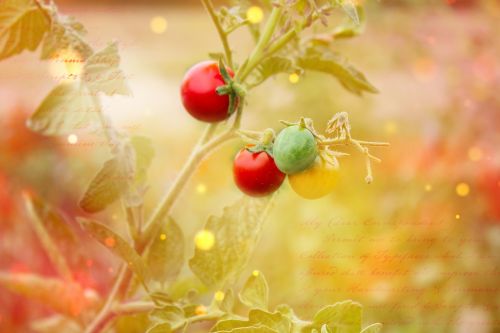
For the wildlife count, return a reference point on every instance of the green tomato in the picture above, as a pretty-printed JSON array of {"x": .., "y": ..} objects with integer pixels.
[{"x": 294, "y": 149}]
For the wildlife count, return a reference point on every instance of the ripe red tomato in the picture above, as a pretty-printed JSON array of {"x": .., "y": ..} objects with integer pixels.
[
  {"x": 256, "y": 174},
  {"x": 198, "y": 92}
]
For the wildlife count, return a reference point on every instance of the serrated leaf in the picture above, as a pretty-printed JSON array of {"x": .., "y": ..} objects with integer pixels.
[
  {"x": 270, "y": 67},
  {"x": 55, "y": 323},
  {"x": 101, "y": 72},
  {"x": 65, "y": 297},
  {"x": 165, "y": 256},
  {"x": 110, "y": 183},
  {"x": 144, "y": 154},
  {"x": 67, "y": 107},
  {"x": 341, "y": 317},
  {"x": 65, "y": 34},
  {"x": 349, "y": 8},
  {"x": 275, "y": 321},
  {"x": 160, "y": 328},
  {"x": 22, "y": 26},
  {"x": 348, "y": 76},
  {"x": 42, "y": 215},
  {"x": 117, "y": 245},
  {"x": 236, "y": 233},
  {"x": 255, "y": 292},
  {"x": 373, "y": 328}
]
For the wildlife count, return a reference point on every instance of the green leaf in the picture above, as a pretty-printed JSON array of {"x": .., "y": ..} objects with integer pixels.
[
  {"x": 255, "y": 292},
  {"x": 236, "y": 233},
  {"x": 349, "y": 77},
  {"x": 165, "y": 256},
  {"x": 42, "y": 215},
  {"x": 350, "y": 29},
  {"x": 349, "y": 8},
  {"x": 65, "y": 297},
  {"x": 227, "y": 303},
  {"x": 270, "y": 67},
  {"x": 160, "y": 328},
  {"x": 65, "y": 34},
  {"x": 102, "y": 74},
  {"x": 144, "y": 154},
  {"x": 110, "y": 183},
  {"x": 373, "y": 328},
  {"x": 22, "y": 26},
  {"x": 250, "y": 329},
  {"x": 118, "y": 246},
  {"x": 66, "y": 108},
  {"x": 341, "y": 317},
  {"x": 168, "y": 314},
  {"x": 275, "y": 321}
]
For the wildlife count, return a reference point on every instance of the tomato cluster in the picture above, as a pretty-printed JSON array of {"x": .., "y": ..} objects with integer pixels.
[{"x": 294, "y": 153}]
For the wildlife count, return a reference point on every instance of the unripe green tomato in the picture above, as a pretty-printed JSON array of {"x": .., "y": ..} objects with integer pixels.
[
  {"x": 316, "y": 181},
  {"x": 294, "y": 149}
]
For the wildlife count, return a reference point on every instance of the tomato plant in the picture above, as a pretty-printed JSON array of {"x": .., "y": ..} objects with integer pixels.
[
  {"x": 315, "y": 182},
  {"x": 256, "y": 174},
  {"x": 199, "y": 92},
  {"x": 153, "y": 251}
]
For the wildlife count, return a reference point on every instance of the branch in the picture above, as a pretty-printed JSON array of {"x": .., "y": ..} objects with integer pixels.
[{"x": 222, "y": 34}]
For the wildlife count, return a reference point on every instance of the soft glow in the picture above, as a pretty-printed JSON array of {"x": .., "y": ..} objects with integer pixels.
[
  {"x": 462, "y": 189},
  {"x": 110, "y": 242},
  {"x": 255, "y": 14},
  {"x": 428, "y": 187},
  {"x": 158, "y": 24},
  {"x": 66, "y": 65},
  {"x": 204, "y": 240},
  {"x": 200, "y": 310},
  {"x": 255, "y": 273},
  {"x": 72, "y": 139},
  {"x": 219, "y": 296},
  {"x": 201, "y": 188},
  {"x": 475, "y": 154},
  {"x": 163, "y": 237},
  {"x": 294, "y": 78},
  {"x": 391, "y": 127},
  {"x": 457, "y": 216}
]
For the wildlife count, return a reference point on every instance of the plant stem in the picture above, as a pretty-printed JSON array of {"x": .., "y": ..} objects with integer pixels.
[
  {"x": 222, "y": 34},
  {"x": 264, "y": 39}
]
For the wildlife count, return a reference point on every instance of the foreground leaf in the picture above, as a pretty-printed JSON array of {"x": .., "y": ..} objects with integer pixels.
[
  {"x": 67, "y": 108},
  {"x": 101, "y": 72},
  {"x": 22, "y": 26},
  {"x": 236, "y": 233},
  {"x": 160, "y": 328},
  {"x": 341, "y": 317},
  {"x": 65, "y": 297},
  {"x": 165, "y": 256},
  {"x": 117, "y": 245},
  {"x": 255, "y": 292},
  {"x": 269, "y": 68},
  {"x": 144, "y": 154},
  {"x": 110, "y": 183}
]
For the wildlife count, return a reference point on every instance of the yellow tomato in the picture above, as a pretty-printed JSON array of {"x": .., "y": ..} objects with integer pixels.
[{"x": 316, "y": 181}]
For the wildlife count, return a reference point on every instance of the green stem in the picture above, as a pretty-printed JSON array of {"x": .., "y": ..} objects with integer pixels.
[
  {"x": 264, "y": 39},
  {"x": 222, "y": 34}
]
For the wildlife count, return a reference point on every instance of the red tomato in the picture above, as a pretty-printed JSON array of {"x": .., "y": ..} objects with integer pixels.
[
  {"x": 256, "y": 174},
  {"x": 198, "y": 92}
]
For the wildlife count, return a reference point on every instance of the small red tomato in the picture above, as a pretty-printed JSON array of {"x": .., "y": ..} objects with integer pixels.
[
  {"x": 256, "y": 174},
  {"x": 198, "y": 92}
]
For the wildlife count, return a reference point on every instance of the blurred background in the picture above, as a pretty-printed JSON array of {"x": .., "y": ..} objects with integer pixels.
[{"x": 419, "y": 248}]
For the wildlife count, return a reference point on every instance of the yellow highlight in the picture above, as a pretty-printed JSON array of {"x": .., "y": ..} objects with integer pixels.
[
  {"x": 428, "y": 187},
  {"x": 255, "y": 273},
  {"x": 158, "y": 24},
  {"x": 294, "y": 78},
  {"x": 462, "y": 189},
  {"x": 457, "y": 216},
  {"x": 163, "y": 237},
  {"x": 391, "y": 127},
  {"x": 204, "y": 240},
  {"x": 475, "y": 154},
  {"x": 219, "y": 296},
  {"x": 200, "y": 310},
  {"x": 72, "y": 139},
  {"x": 255, "y": 14},
  {"x": 66, "y": 65},
  {"x": 201, "y": 188}
]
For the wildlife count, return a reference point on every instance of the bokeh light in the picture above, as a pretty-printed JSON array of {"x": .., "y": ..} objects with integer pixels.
[
  {"x": 255, "y": 14},
  {"x": 158, "y": 24},
  {"x": 204, "y": 240},
  {"x": 462, "y": 189}
]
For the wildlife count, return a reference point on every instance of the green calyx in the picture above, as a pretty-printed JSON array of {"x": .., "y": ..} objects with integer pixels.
[
  {"x": 265, "y": 143},
  {"x": 233, "y": 89}
]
